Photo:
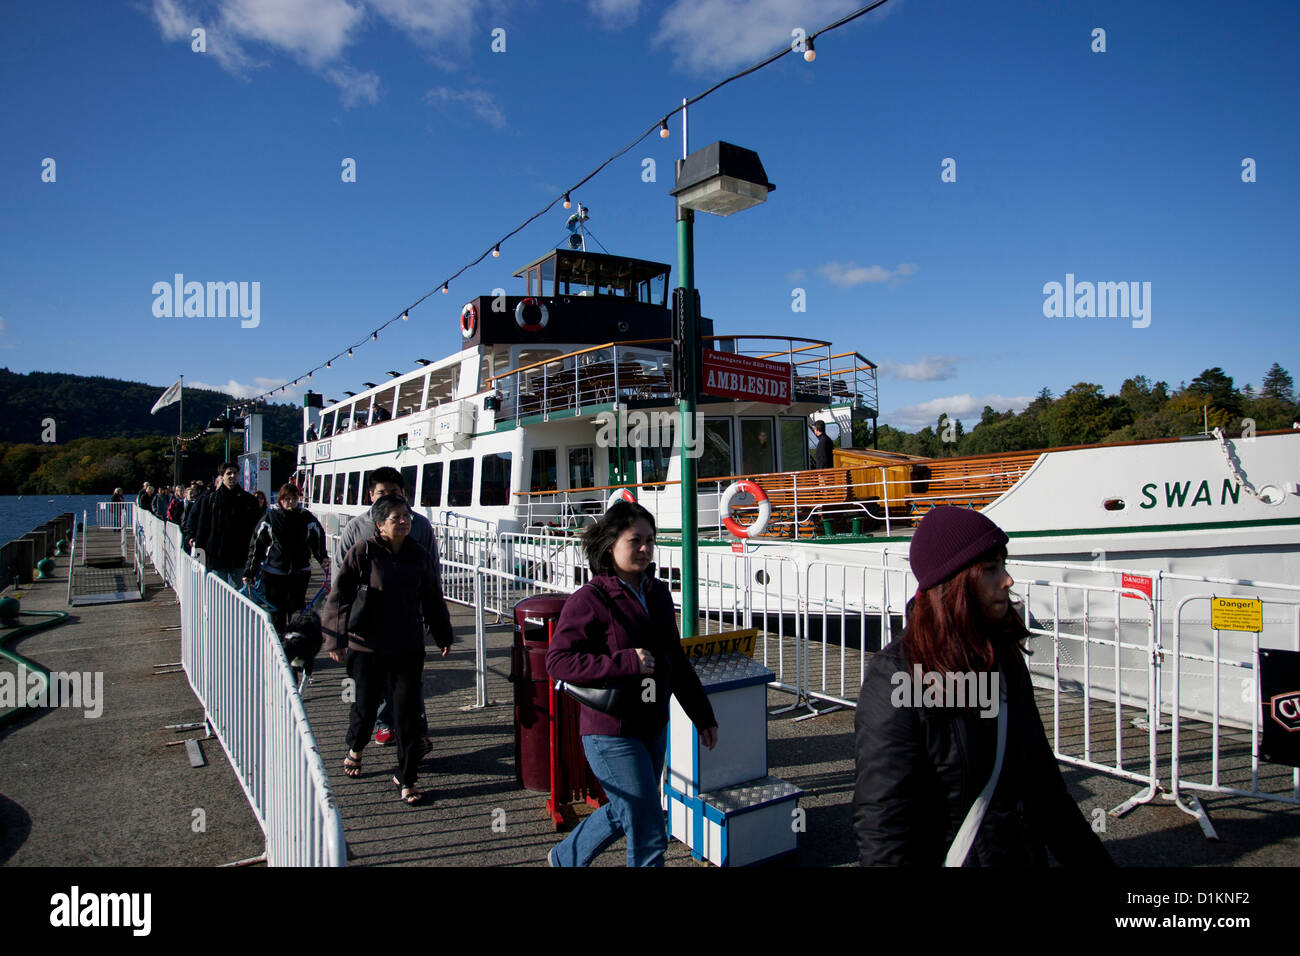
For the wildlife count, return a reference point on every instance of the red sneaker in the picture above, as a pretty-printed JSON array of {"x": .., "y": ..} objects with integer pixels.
[{"x": 383, "y": 736}]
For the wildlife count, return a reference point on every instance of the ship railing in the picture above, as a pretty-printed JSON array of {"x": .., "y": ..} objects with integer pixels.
[
  {"x": 236, "y": 667},
  {"x": 641, "y": 369},
  {"x": 597, "y": 375}
]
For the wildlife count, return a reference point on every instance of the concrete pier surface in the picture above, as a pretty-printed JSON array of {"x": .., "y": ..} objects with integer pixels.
[{"x": 89, "y": 791}]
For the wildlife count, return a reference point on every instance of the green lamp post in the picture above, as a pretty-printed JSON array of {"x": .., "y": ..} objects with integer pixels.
[{"x": 721, "y": 179}]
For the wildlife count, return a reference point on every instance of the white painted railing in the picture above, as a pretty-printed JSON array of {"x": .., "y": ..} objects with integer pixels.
[{"x": 237, "y": 669}]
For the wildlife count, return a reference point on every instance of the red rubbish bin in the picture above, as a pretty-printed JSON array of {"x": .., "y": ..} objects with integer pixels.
[{"x": 548, "y": 748}]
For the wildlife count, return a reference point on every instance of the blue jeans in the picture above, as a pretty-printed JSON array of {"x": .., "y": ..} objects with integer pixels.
[{"x": 629, "y": 769}]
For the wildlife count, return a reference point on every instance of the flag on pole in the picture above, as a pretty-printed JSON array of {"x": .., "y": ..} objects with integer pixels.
[{"x": 169, "y": 397}]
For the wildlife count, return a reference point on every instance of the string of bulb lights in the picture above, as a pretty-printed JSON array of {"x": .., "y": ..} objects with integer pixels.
[{"x": 809, "y": 55}]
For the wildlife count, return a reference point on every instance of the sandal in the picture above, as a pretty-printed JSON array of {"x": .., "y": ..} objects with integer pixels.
[
  {"x": 410, "y": 795},
  {"x": 352, "y": 764}
]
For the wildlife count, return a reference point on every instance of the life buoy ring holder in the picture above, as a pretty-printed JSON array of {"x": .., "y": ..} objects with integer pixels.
[
  {"x": 622, "y": 494},
  {"x": 524, "y": 323},
  {"x": 764, "y": 509},
  {"x": 468, "y": 321}
]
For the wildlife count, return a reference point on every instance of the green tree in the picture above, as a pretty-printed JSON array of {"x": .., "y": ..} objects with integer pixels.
[
  {"x": 1278, "y": 384},
  {"x": 1083, "y": 415}
]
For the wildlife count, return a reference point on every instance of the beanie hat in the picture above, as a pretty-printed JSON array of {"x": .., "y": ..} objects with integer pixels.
[{"x": 947, "y": 540}]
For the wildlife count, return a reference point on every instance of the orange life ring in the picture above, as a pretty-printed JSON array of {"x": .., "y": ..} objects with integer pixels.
[
  {"x": 468, "y": 321},
  {"x": 524, "y": 323},
  {"x": 622, "y": 494},
  {"x": 764, "y": 509}
]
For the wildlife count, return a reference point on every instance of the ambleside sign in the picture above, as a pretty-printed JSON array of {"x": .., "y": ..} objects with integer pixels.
[{"x": 726, "y": 375}]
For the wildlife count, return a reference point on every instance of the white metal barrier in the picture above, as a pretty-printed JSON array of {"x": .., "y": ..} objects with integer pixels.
[
  {"x": 237, "y": 670},
  {"x": 1232, "y": 762},
  {"x": 115, "y": 515}
]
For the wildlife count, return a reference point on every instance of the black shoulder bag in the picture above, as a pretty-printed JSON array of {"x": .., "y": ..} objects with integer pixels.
[
  {"x": 611, "y": 696},
  {"x": 358, "y": 619}
]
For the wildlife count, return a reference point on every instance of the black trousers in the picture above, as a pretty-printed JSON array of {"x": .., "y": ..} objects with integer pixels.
[
  {"x": 371, "y": 672},
  {"x": 287, "y": 593}
]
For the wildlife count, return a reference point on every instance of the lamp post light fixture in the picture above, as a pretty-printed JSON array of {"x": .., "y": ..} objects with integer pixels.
[{"x": 721, "y": 179}]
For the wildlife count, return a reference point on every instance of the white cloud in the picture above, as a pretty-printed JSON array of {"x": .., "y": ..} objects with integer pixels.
[
  {"x": 239, "y": 390},
  {"x": 709, "y": 36},
  {"x": 848, "y": 274},
  {"x": 931, "y": 368},
  {"x": 614, "y": 14},
  {"x": 480, "y": 101},
  {"x": 356, "y": 87},
  {"x": 316, "y": 33},
  {"x": 958, "y": 406}
]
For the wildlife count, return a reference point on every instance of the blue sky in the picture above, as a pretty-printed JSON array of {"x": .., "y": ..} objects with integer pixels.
[{"x": 225, "y": 165}]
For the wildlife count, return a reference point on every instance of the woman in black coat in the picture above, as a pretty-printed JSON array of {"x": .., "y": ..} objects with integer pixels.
[{"x": 933, "y": 706}]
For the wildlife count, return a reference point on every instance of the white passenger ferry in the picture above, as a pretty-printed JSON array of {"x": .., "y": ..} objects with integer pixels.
[
  {"x": 561, "y": 400},
  {"x": 562, "y": 397}
]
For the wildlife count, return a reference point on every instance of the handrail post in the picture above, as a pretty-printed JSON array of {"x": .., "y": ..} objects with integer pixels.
[{"x": 884, "y": 484}]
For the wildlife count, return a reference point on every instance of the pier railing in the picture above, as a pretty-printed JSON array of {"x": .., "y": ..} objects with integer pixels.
[{"x": 235, "y": 665}]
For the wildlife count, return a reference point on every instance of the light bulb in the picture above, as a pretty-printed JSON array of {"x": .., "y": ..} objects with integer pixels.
[
  {"x": 496, "y": 251},
  {"x": 406, "y": 317},
  {"x": 567, "y": 204},
  {"x": 663, "y": 129},
  {"x": 809, "y": 54}
]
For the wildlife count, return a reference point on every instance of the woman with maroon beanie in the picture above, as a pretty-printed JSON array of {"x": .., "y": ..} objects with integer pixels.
[
  {"x": 622, "y": 628},
  {"x": 953, "y": 765}
]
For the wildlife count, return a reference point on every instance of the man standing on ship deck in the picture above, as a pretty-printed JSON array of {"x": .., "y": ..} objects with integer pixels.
[{"x": 824, "y": 456}]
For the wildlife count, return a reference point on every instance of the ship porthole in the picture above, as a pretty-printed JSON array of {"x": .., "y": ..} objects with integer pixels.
[{"x": 1113, "y": 504}]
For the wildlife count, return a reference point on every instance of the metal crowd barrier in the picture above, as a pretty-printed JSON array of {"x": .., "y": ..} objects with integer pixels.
[
  {"x": 1234, "y": 768},
  {"x": 237, "y": 669},
  {"x": 115, "y": 515}
]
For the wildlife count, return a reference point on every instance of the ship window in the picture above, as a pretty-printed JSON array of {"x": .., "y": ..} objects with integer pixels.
[
  {"x": 547, "y": 276},
  {"x": 354, "y": 488},
  {"x": 1113, "y": 504},
  {"x": 542, "y": 477},
  {"x": 794, "y": 446},
  {"x": 654, "y": 465},
  {"x": 327, "y": 426},
  {"x": 460, "y": 484},
  {"x": 382, "y": 410},
  {"x": 757, "y": 447},
  {"x": 340, "y": 486},
  {"x": 494, "y": 480},
  {"x": 315, "y": 495},
  {"x": 582, "y": 467},
  {"x": 408, "y": 481},
  {"x": 431, "y": 485},
  {"x": 325, "y": 494},
  {"x": 716, "y": 460},
  {"x": 410, "y": 395}
]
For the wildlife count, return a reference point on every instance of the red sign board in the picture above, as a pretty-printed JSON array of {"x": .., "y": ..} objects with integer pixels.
[
  {"x": 1137, "y": 582},
  {"x": 727, "y": 375}
]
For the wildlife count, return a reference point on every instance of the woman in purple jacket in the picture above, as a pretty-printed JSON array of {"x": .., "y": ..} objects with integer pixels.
[{"x": 621, "y": 628}]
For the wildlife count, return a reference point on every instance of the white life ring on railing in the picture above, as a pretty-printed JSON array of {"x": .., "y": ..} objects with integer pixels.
[
  {"x": 468, "y": 321},
  {"x": 623, "y": 494},
  {"x": 764, "y": 509},
  {"x": 524, "y": 323}
]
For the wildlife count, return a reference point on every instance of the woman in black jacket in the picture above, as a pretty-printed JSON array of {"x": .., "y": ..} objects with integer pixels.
[
  {"x": 284, "y": 542},
  {"x": 934, "y": 784},
  {"x": 403, "y": 597}
]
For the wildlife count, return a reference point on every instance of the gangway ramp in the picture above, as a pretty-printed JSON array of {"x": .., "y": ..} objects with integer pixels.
[{"x": 104, "y": 566}]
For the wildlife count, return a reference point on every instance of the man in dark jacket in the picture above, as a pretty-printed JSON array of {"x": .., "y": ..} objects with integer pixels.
[
  {"x": 145, "y": 498},
  {"x": 190, "y": 521},
  {"x": 824, "y": 454},
  {"x": 225, "y": 526}
]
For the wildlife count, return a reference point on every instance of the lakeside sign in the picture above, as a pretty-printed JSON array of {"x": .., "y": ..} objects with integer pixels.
[{"x": 727, "y": 375}]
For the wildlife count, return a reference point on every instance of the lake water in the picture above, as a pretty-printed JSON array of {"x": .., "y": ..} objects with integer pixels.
[{"x": 20, "y": 514}]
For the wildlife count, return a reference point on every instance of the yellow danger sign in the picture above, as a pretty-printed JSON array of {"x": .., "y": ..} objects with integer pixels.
[{"x": 1237, "y": 614}]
